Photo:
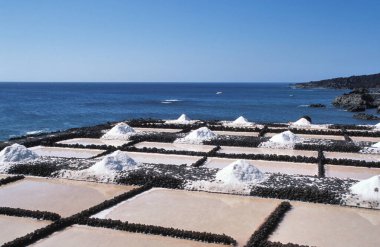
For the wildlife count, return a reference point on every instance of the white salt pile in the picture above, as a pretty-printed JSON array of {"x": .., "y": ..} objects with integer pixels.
[
  {"x": 240, "y": 171},
  {"x": 236, "y": 178},
  {"x": 302, "y": 122},
  {"x": 376, "y": 145},
  {"x": 16, "y": 153},
  {"x": 285, "y": 139},
  {"x": 368, "y": 190},
  {"x": 198, "y": 136},
  {"x": 374, "y": 149},
  {"x": 120, "y": 131},
  {"x": 116, "y": 162},
  {"x": 183, "y": 119},
  {"x": 241, "y": 121}
]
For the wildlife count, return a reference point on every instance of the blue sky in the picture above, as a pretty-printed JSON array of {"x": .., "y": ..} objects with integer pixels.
[{"x": 188, "y": 40}]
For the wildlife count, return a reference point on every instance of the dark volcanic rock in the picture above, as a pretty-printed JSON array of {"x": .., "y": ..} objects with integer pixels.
[
  {"x": 362, "y": 81},
  {"x": 317, "y": 105},
  {"x": 364, "y": 116},
  {"x": 355, "y": 101},
  {"x": 356, "y": 108}
]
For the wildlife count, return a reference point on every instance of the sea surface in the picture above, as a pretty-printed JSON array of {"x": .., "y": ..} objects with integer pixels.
[{"x": 41, "y": 107}]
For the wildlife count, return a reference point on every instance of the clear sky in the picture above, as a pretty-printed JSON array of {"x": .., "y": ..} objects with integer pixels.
[{"x": 188, "y": 40}]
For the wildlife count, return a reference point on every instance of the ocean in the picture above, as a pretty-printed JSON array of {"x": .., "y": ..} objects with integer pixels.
[{"x": 41, "y": 107}]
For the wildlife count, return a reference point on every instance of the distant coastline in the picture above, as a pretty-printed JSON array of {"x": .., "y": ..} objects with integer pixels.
[
  {"x": 352, "y": 82},
  {"x": 364, "y": 95}
]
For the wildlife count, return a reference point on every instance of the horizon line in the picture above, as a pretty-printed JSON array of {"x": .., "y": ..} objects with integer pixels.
[{"x": 146, "y": 82}]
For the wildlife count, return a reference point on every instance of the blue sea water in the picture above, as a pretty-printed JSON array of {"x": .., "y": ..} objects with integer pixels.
[{"x": 31, "y": 107}]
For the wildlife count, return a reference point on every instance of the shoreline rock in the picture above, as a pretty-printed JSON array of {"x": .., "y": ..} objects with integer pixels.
[
  {"x": 365, "y": 116},
  {"x": 356, "y": 100},
  {"x": 318, "y": 105}
]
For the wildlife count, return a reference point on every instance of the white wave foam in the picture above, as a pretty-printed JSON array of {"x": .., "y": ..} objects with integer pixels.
[
  {"x": 172, "y": 100},
  {"x": 34, "y": 132}
]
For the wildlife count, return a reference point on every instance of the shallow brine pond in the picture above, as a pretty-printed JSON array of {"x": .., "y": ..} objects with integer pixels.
[{"x": 236, "y": 216}]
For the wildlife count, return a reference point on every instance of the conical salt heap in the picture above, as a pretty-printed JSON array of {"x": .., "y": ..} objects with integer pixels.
[
  {"x": 241, "y": 121},
  {"x": 198, "y": 136},
  {"x": 376, "y": 145},
  {"x": 302, "y": 122},
  {"x": 115, "y": 162},
  {"x": 286, "y": 137},
  {"x": 183, "y": 118},
  {"x": 368, "y": 190},
  {"x": 120, "y": 131},
  {"x": 240, "y": 171},
  {"x": 16, "y": 153},
  {"x": 201, "y": 134}
]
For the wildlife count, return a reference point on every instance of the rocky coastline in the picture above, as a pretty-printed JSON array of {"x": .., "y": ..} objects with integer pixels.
[
  {"x": 352, "y": 82},
  {"x": 365, "y": 93}
]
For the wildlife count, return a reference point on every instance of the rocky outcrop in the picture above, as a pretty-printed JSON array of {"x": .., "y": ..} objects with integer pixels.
[
  {"x": 367, "y": 96},
  {"x": 317, "y": 105},
  {"x": 362, "y": 81},
  {"x": 357, "y": 108},
  {"x": 364, "y": 116},
  {"x": 355, "y": 101}
]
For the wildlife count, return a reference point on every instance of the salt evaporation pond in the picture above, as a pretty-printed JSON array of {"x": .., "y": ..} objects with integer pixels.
[
  {"x": 235, "y": 216},
  {"x": 79, "y": 153},
  {"x": 329, "y": 226},
  {"x": 248, "y": 150},
  {"x": 353, "y": 172},
  {"x": 65, "y": 197},
  {"x": 169, "y": 159},
  {"x": 93, "y": 141},
  {"x": 14, "y": 227}
]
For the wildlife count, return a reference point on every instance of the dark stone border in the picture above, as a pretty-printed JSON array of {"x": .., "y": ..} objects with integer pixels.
[
  {"x": 269, "y": 157},
  {"x": 261, "y": 235},
  {"x": 321, "y": 164},
  {"x": 342, "y": 148},
  {"x": 200, "y": 162},
  {"x": 43, "y": 169},
  {"x": 350, "y": 162},
  {"x": 350, "y": 127},
  {"x": 139, "y": 177},
  {"x": 233, "y": 129},
  {"x": 305, "y": 194},
  {"x": 159, "y": 230},
  {"x": 236, "y": 141},
  {"x": 10, "y": 179},
  {"x": 40, "y": 215}
]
